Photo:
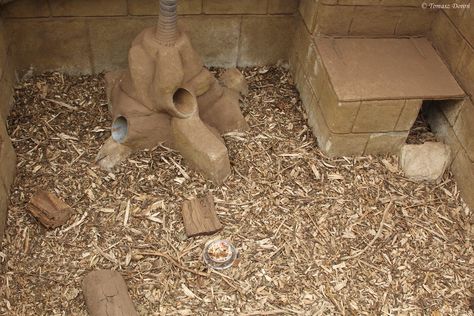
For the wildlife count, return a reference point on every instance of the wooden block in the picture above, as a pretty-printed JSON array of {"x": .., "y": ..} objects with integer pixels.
[
  {"x": 49, "y": 209},
  {"x": 200, "y": 217},
  {"x": 106, "y": 294}
]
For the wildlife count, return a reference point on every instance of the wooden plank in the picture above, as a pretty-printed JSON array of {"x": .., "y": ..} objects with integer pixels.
[
  {"x": 106, "y": 294},
  {"x": 200, "y": 217},
  {"x": 49, "y": 209}
]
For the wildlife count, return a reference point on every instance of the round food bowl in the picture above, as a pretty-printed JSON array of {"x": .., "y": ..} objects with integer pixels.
[{"x": 219, "y": 254}]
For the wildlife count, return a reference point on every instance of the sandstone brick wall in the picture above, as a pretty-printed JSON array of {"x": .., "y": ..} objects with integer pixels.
[
  {"x": 452, "y": 34},
  {"x": 361, "y": 18},
  {"x": 7, "y": 154},
  {"x": 7, "y": 74},
  {"x": 387, "y": 18},
  {"x": 450, "y": 31},
  {"x": 366, "y": 18},
  {"x": 90, "y": 36}
]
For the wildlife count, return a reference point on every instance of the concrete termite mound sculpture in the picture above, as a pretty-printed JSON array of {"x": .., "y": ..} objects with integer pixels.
[{"x": 167, "y": 96}]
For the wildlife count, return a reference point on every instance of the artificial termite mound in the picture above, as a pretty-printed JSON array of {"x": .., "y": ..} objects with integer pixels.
[{"x": 166, "y": 96}]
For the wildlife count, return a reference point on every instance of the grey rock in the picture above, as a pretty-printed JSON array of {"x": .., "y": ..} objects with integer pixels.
[{"x": 425, "y": 162}]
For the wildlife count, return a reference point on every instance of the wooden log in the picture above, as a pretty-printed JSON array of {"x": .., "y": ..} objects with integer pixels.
[
  {"x": 200, "y": 217},
  {"x": 106, "y": 294},
  {"x": 49, "y": 209}
]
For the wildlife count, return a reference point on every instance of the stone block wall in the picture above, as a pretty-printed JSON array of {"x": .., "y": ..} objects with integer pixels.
[
  {"x": 341, "y": 129},
  {"x": 452, "y": 34},
  {"x": 361, "y": 18},
  {"x": 90, "y": 36},
  {"x": 351, "y": 127},
  {"x": 7, "y": 154},
  {"x": 383, "y": 18},
  {"x": 366, "y": 18}
]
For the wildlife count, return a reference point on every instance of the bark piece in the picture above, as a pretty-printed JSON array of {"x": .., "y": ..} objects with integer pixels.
[
  {"x": 200, "y": 217},
  {"x": 106, "y": 294},
  {"x": 49, "y": 209}
]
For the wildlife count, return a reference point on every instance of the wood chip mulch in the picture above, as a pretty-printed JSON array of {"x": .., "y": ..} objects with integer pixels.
[{"x": 316, "y": 236}]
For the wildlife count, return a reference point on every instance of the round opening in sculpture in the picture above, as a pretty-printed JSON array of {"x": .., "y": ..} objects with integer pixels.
[
  {"x": 185, "y": 102},
  {"x": 120, "y": 129}
]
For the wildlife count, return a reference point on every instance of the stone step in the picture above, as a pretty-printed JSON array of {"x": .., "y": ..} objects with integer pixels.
[
  {"x": 367, "y": 93},
  {"x": 386, "y": 69}
]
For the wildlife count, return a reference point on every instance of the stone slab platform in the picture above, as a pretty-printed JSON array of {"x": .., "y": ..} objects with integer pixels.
[
  {"x": 381, "y": 69},
  {"x": 362, "y": 95}
]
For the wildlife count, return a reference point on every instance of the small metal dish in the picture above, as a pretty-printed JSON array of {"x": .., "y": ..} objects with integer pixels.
[{"x": 219, "y": 254}]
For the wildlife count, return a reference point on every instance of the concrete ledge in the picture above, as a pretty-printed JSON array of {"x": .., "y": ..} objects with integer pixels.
[{"x": 382, "y": 69}]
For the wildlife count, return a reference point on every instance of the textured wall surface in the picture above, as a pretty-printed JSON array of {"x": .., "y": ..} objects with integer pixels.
[
  {"x": 7, "y": 154},
  {"x": 452, "y": 34},
  {"x": 361, "y": 18},
  {"x": 385, "y": 18},
  {"x": 7, "y": 73},
  {"x": 90, "y": 36}
]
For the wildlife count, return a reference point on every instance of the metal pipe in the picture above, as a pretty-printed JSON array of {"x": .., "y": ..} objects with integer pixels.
[{"x": 167, "y": 30}]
